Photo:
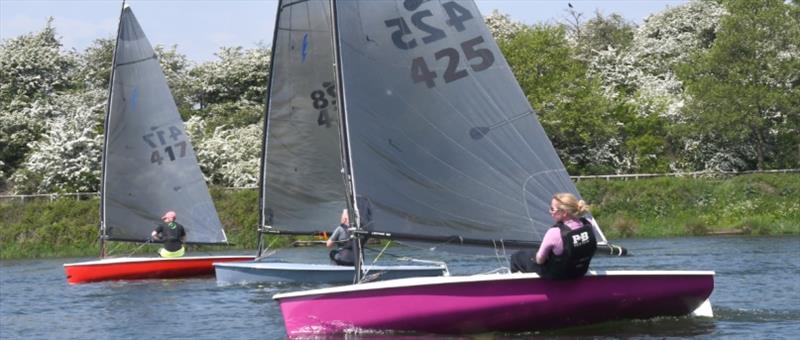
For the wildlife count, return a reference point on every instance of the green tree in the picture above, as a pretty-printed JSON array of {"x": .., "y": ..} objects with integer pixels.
[
  {"x": 745, "y": 89},
  {"x": 602, "y": 33},
  {"x": 577, "y": 117},
  {"x": 178, "y": 70}
]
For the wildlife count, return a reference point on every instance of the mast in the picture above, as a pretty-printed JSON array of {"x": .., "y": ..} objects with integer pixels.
[
  {"x": 105, "y": 138},
  {"x": 347, "y": 169},
  {"x": 262, "y": 222}
]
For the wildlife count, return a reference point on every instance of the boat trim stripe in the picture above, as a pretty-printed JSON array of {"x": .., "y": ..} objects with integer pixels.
[{"x": 431, "y": 281}]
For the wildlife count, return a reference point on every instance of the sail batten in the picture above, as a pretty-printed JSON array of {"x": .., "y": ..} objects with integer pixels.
[{"x": 149, "y": 164}]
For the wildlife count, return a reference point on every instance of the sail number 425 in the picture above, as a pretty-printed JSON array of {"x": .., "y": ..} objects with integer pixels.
[{"x": 403, "y": 38}]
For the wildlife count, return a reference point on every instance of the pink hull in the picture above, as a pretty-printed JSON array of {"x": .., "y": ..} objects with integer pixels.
[
  {"x": 498, "y": 302},
  {"x": 132, "y": 268}
]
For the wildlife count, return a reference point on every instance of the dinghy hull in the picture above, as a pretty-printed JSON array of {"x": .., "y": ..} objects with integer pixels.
[
  {"x": 494, "y": 302},
  {"x": 132, "y": 268},
  {"x": 260, "y": 272}
]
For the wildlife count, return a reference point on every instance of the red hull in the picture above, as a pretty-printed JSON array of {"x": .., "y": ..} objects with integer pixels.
[{"x": 145, "y": 268}]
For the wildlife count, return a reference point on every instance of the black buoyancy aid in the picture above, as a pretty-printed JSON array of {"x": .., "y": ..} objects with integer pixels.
[
  {"x": 172, "y": 236},
  {"x": 349, "y": 243},
  {"x": 579, "y": 247}
]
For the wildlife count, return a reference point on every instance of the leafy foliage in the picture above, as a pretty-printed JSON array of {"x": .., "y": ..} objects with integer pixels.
[
  {"x": 571, "y": 107},
  {"x": 746, "y": 88}
]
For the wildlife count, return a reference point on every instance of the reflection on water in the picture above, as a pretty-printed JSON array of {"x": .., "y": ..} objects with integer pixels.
[{"x": 36, "y": 301}]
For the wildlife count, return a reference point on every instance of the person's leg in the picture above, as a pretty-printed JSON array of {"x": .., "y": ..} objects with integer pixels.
[
  {"x": 344, "y": 257},
  {"x": 523, "y": 261}
]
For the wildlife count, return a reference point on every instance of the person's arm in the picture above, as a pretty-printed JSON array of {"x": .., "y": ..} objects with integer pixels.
[
  {"x": 547, "y": 245},
  {"x": 154, "y": 234},
  {"x": 330, "y": 242}
]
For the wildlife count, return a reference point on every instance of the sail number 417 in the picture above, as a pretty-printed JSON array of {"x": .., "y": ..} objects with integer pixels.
[{"x": 171, "y": 149}]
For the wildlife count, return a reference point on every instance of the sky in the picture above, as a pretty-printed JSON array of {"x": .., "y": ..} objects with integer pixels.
[{"x": 200, "y": 27}]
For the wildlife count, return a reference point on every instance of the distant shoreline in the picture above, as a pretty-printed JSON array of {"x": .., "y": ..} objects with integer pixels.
[{"x": 753, "y": 204}]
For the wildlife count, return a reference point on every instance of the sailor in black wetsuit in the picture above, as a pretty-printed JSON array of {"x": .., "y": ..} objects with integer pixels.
[{"x": 173, "y": 235}]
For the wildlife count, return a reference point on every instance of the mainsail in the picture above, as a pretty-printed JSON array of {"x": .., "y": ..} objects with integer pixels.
[
  {"x": 149, "y": 165},
  {"x": 443, "y": 142},
  {"x": 302, "y": 186}
]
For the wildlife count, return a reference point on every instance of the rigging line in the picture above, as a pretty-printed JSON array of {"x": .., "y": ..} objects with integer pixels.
[
  {"x": 139, "y": 247},
  {"x": 497, "y": 253},
  {"x": 265, "y": 252},
  {"x": 505, "y": 255},
  {"x": 375, "y": 260},
  {"x": 116, "y": 246}
]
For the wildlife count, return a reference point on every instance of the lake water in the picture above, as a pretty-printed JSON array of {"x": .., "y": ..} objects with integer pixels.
[{"x": 756, "y": 295}]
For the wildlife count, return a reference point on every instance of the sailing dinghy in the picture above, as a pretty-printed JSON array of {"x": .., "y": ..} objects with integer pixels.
[
  {"x": 149, "y": 167},
  {"x": 442, "y": 142},
  {"x": 302, "y": 188}
]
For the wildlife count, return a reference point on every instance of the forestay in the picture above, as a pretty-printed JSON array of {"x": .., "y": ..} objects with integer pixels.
[
  {"x": 444, "y": 143},
  {"x": 149, "y": 163},
  {"x": 303, "y": 189}
]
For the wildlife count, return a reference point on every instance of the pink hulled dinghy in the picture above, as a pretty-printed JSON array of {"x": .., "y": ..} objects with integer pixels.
[
  {"x": 494, "y": 302},
  {"x": 440, "y": 145}
]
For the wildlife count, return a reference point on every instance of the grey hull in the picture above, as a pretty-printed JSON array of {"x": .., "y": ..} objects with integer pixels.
[{"x": 255, "y": 272}]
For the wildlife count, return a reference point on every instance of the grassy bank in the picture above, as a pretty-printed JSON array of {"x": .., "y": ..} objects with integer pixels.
[{"x": 763, "y": 204}]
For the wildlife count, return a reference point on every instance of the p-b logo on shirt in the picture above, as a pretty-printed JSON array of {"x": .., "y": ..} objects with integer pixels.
[{"x": 580, "y": 239}]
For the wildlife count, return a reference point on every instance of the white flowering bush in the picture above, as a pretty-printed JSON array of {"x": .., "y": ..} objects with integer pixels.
[
  {"x": 501, "y": 26},
  {"x": 644, "y": 71},
  {"x": 67, "y": 158},
  {"x": 177, "y": 69},
  {"x": 32, "y": 67},
  {"x": 239, "y": 74},
  {"x": 231, "y": 156}
]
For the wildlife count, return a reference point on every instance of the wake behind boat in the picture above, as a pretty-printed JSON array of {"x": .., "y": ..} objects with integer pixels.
[
  {"x": 440, "y": 145},
  {"x": 149, "y": 167},
  {"x": 302, "y": 188}
]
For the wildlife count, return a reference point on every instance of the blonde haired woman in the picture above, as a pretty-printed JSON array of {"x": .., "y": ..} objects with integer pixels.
[{"x": 567, "y": 247}]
